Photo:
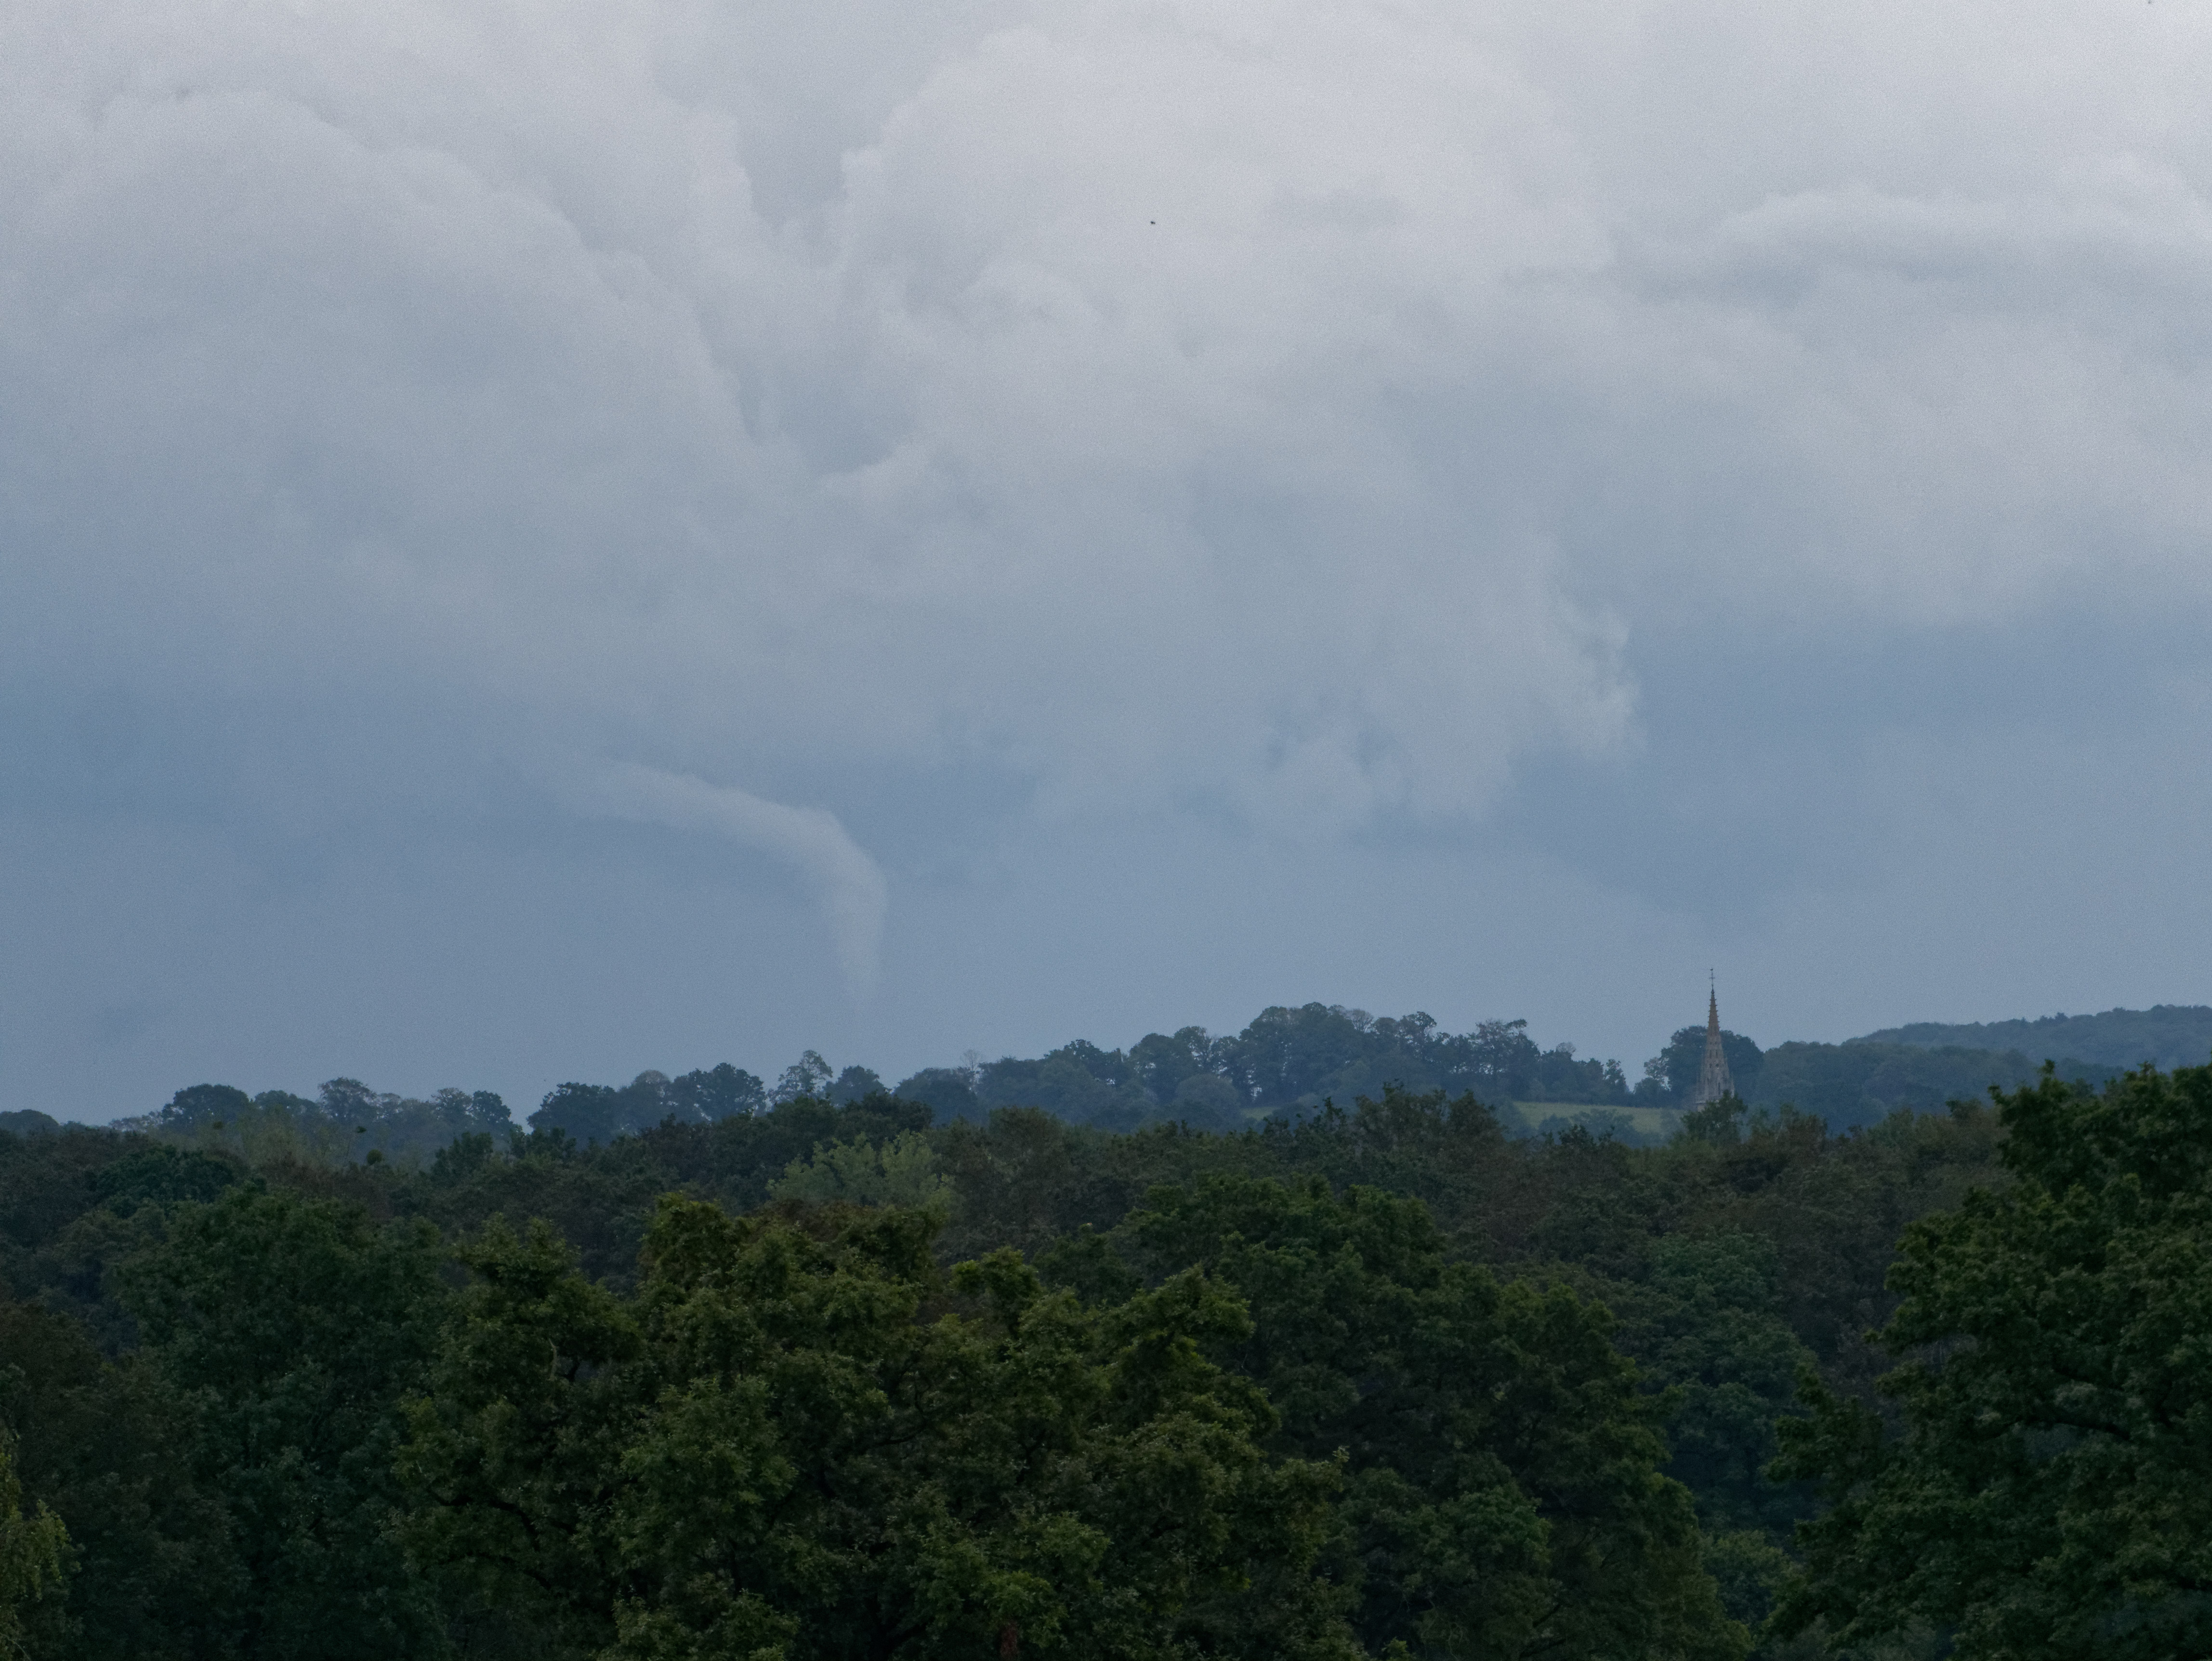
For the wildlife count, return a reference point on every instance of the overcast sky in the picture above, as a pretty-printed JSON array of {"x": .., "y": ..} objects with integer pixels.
[{"x": 543, "y": 540}]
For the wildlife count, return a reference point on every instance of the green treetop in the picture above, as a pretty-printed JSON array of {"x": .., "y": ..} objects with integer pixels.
[{"x": 2048, "y": 1490}]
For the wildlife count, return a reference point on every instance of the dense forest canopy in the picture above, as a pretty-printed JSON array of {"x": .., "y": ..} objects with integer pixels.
[
  {"x": 2033, "y": 1480},
  {"x": 812, "y": 1369},
  {"x": 833, "y": 1379}
]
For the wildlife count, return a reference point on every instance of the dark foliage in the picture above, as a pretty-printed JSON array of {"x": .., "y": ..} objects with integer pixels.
[
  {"x": 1863, "y": 1082},
  {"x": 2165, "y": 1034},
  {"x": 600, "y": 1113},
  {"x": 281, "y": 1398},
  {"x": 2041, "y": 1486}
]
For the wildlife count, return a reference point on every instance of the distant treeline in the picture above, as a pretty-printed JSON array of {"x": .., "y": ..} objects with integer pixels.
[
  {"x": 1286, "y": 1063},
  {"x": 1861, "y": 1081},
  {"x": 2167, "y": 1035}
]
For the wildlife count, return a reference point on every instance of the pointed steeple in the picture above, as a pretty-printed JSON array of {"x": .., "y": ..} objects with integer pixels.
[{"x": 1713, "y": 1080}]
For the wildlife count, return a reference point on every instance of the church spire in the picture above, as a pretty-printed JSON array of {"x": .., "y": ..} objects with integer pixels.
[{"x": 1713, "y": 1080}]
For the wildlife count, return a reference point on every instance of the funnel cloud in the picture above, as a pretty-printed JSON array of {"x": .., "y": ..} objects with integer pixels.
[{"x": 849, "y": 884}]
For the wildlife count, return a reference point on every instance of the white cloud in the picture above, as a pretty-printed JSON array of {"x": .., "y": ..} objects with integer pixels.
[{"x": 1288, "y": 407}]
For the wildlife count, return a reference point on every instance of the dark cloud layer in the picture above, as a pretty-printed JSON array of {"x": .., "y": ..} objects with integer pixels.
[{"x": 540, "y": 542}]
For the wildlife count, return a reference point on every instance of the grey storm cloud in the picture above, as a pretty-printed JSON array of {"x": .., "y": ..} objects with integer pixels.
[{"x": 1293, "y": 413}]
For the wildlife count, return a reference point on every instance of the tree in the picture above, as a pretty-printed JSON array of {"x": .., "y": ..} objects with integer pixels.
[
  {"x": 1503, "y": 1057},
  {"x": 949, "y": 1092},
  {"x": 852, "y": 1084},
  {"x": 33, "y": 1550},
  {"x": 1679, "y": 1064},
  {"x": 808, "y": 1076},
  {"x": 2047, "y": 1491},
  {"x": 720, "y": 1092},
  {"x": 109, "y": 1447},
  {"x": 1206, "y": 1101},
  {"x": 294, "y": 1327},
  {"x": 1161, "y": 1063},
  {"x": 1078, "y": 1082},
  {"x": 804, "y": 1441},
  {"x": 513, "y": 1453},
  {"x": 202, "y": 1104},
  {"x": 1504, "y": 1497},
  {"x": 600, "y": 1113},
  {"x": 1717, "y": 1123},
  {"x": 1704, "y": 1321},
  {"x": 1863, "y": 1082},
  {"x": 1289, "y": 1057},
  {"x": 901, "y": 1172}
]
